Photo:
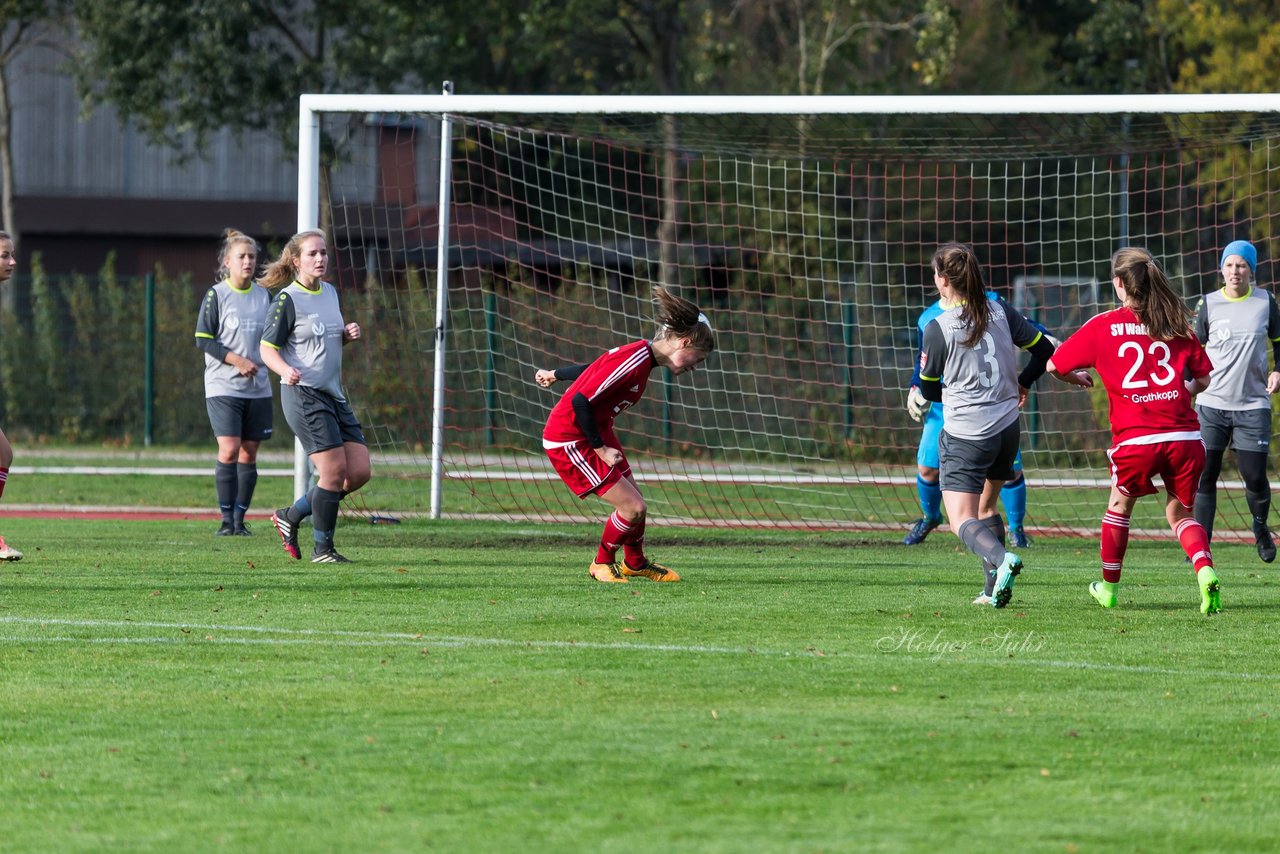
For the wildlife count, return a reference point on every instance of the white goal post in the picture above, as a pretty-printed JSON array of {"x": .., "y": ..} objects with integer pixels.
[{"x": 838, "y": 451}]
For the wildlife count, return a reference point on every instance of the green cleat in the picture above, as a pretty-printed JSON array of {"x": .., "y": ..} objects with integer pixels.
[
  {"x": 1104, "y": 593},
  {"x": 1005, "y": 573},
  {"x": 1210, "y": 591}
]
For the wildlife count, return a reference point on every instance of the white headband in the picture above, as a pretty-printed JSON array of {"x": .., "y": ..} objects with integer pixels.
[{"x": 702, "y": 318}]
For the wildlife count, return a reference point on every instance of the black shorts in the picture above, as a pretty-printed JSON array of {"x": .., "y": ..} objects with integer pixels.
[
  {"x": 1243, "y": 429},
  {"x": 248, "y": 418},
  {"x": 318, "y": 419},
  {"x": 967, "y": 464}
]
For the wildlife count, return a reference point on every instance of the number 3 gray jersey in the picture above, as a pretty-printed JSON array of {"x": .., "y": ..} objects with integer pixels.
[
  {"x": 306, "y": 327},
  {"x": 980, "y": 383}
]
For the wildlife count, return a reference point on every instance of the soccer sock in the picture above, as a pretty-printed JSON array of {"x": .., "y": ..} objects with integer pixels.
[
  {"x": 1259, "y": 505},
  {"x": 978, "y": 538},
  {"x": 1013, "y": 496},
  {"x": 246, "y": 480},
  {"x": 1115, "y": 542},
  {"x": 930, "y": 493},
  {"x": 301, "y": 508},
  {"x": 616, "y": 530},
  {"x": 996, "y": 526},
  {"x": 633, "y": 546},
  {"x": 4, "y": 477},
  {"x": 1257, "y": 491},
  {"x": 224, "y": 478},
  {"x": 1194, "y": 542},
  {"x": 1206, "y": 508},
  {"x": 325, "y": 516}
]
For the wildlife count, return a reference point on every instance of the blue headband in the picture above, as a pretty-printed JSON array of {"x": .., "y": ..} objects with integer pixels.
[{"x": 1245, "y": 250}]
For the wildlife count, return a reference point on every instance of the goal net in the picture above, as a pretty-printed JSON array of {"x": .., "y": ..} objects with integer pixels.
[{"x": 803, "y": 227}]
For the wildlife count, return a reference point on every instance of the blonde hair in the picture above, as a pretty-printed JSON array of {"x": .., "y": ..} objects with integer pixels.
[
  {"x": 284, "y": 269},
  {"x": 233, "y": 237},
  {"x": 958, "y": 263},
  {"x": 679, "y": 318},
  {"x": 1148, "y": 292}
]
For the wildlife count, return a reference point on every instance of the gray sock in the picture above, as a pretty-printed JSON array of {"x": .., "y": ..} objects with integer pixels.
[{"x": 978, "y": 538}]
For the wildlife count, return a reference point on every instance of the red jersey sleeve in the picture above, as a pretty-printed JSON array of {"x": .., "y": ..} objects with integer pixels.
[{"x": 612, "y": 383}]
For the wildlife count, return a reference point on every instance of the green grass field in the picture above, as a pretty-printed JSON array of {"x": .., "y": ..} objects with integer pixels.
[{"x": 464, "y": 686}]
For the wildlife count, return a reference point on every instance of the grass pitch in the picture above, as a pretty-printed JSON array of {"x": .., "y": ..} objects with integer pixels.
[{"x": 467, "y": 687}]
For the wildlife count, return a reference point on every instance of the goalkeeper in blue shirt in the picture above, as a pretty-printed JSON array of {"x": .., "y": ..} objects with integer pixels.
[{"x": 1014, "y": 494}]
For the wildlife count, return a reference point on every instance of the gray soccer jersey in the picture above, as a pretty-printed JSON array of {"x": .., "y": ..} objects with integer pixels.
[
  {"x": 980, "y": 383},
  {"x": 231, "y": 321},
  {"x": 306, "y": 327},
  {"x": 1237, "y": 334}
]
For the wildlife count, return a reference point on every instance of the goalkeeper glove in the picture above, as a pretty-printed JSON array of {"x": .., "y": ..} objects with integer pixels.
[{"x": 917, "y": 406}]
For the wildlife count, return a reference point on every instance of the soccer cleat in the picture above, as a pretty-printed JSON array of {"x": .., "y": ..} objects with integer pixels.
[
  {"x": 1210, "y": 591},
  {"x": 1005, "y": 573},
  {"x": 919, "y": 530},
  {"x": 650, "y": 570},
  {"x": 327, "y": 554},
  {"x": 1262, "y": 538},
  {"x": 242, "y": 530},
  {"x": 606, "y": 572},
  {"x": 1020, "y": 538},
  {"x": 226, "y": 530},
  {"x": 1103, "y": 593},
  {"x": 288, "y": 533},
  {"x": 983, "y": 599},
  {"x": 8, "y": 552}
]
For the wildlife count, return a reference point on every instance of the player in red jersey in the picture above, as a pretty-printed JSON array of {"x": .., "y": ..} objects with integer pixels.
[
  {"x": 1151, "y": 363},
  {"x": 579, "y": 437}
]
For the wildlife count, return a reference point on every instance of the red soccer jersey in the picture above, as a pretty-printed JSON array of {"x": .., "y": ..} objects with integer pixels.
[
  {"x": 1144, "y": 378},
  {"x": 612, "y": 383}
]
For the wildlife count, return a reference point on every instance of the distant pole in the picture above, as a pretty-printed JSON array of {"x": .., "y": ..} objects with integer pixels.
[{"x": 149, "y": 383}]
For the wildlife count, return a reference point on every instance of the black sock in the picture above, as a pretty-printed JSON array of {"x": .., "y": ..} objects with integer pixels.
[
  {"x": 246, "y": 480},
  {"x": 324, "y": 515},
  {"x": 1205, "y": 510},
  {"x": 224, "y": 479}
]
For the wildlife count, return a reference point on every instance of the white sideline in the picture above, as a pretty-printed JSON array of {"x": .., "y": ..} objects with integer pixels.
[{"x": 346, "y": 638}]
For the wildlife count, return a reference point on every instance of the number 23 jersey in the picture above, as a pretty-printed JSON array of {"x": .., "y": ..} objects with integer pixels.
[{"x": 1144, "y": 378}]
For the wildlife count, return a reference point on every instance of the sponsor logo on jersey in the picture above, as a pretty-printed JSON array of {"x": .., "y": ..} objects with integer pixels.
[
  {"x": 1221, "y": 335},
  {"x": 233, "y": 320},
  {"x": 317, "y": 326}
]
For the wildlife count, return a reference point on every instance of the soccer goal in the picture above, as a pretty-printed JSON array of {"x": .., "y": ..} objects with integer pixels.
[{"x": 478, "y": 238}]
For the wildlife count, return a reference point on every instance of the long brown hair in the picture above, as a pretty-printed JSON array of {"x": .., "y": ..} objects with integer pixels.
[
  {"x": 284, "y": 269},
  {"x": 679, "y": 318},
  {"x": 1148, "y": 292},
  {"x": 958, "y": 264}
]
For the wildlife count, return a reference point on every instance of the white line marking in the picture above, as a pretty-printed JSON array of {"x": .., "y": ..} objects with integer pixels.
[{"x": 348, "y": 638}]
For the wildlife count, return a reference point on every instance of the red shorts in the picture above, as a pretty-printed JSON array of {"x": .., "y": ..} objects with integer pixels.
[
  {"x": 582, "y": 470},
  {"x": 1178, "y": 463}
]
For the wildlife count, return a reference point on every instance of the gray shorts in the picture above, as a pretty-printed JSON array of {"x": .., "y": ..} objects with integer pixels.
[
  {"x": 1243, "y": 429},
  {"x": 967, "y": 464},
  {"x": 318, "y": 419},
  {"x": 248, "y": 418}
]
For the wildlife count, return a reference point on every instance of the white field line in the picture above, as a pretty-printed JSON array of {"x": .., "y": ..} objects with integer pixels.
[{"x": 342, "y": 638}]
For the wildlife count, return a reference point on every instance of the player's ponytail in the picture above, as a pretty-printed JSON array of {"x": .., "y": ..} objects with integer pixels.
[
  {"x": 230, "y": 238},
  {"x": 284, "y": 269},
  {"x": 1148, "y": 292},
  {"x": 679, "y": 318},
  {"x": 958, "y": 264}
]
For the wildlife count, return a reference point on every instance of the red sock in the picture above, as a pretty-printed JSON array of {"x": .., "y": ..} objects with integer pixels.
[
  {"x": 633, "y": 546},
  {"x": 616, "y": 531},
  {"x": 4, "y": 476},
  {"x": 1195, "y": 542},
  {"x": 1115, "y": 541}
]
